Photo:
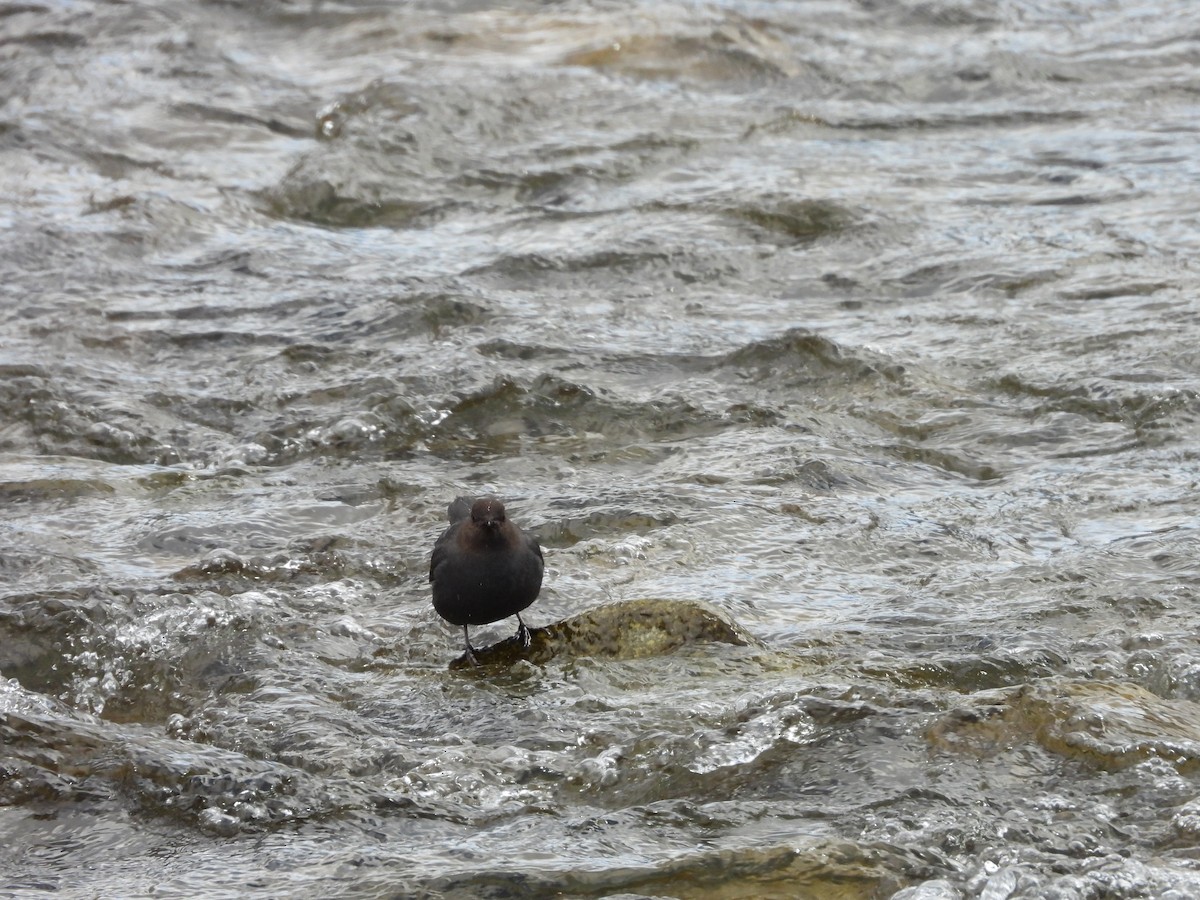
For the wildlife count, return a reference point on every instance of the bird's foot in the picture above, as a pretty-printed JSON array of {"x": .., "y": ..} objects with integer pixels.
[
  {"x": 523, "y": 634},
  {"x": 470, "y": 654}
]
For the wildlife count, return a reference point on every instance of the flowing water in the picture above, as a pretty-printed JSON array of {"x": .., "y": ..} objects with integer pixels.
[{"x": 851, "y": 345}]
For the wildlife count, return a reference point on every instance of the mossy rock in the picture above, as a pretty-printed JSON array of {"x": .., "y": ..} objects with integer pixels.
[{"x": 632, "y": 629}]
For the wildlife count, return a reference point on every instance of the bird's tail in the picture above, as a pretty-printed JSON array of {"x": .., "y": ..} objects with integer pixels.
[{"x": 459, "y": 509}]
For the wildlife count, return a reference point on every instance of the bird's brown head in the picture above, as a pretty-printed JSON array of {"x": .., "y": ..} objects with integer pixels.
[{"x": 488, "y": 512}]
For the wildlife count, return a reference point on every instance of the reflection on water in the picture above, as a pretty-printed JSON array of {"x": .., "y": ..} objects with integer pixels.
[{"x": 842, "y": 357}]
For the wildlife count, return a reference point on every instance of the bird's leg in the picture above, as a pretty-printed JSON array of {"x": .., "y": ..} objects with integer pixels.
[
  {"x": 523, "y": 633},
  {"x": 470, "y": 649}
]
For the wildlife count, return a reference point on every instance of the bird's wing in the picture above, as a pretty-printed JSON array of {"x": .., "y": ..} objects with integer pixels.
[
  {"x": 439, "y": 550},
  {"x": 534, "y": 545}
]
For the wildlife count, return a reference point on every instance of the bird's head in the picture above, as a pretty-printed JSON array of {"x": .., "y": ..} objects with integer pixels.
[{"x": 488, "y": 512}]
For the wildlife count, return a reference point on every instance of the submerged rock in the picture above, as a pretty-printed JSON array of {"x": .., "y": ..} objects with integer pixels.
[
  {"x": 632, "y": 629},
  {"x": 1109, "y": 725}
]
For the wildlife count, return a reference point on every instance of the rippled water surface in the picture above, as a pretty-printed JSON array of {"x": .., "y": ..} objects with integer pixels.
[{"x": 843, "y": 356}]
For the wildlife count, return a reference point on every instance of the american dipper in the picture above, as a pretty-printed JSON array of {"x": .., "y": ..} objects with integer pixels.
[{"x": 484, "y": 568}]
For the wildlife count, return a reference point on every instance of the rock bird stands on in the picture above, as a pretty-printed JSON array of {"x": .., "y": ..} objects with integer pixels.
[{"x": 484, "y": 568}]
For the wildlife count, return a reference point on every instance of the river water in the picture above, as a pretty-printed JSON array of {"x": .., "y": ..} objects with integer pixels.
[{"x": 853, "y": 346}]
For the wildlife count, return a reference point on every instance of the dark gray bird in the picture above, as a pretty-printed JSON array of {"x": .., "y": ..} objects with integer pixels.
[{"x": 484, "y": 568}]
